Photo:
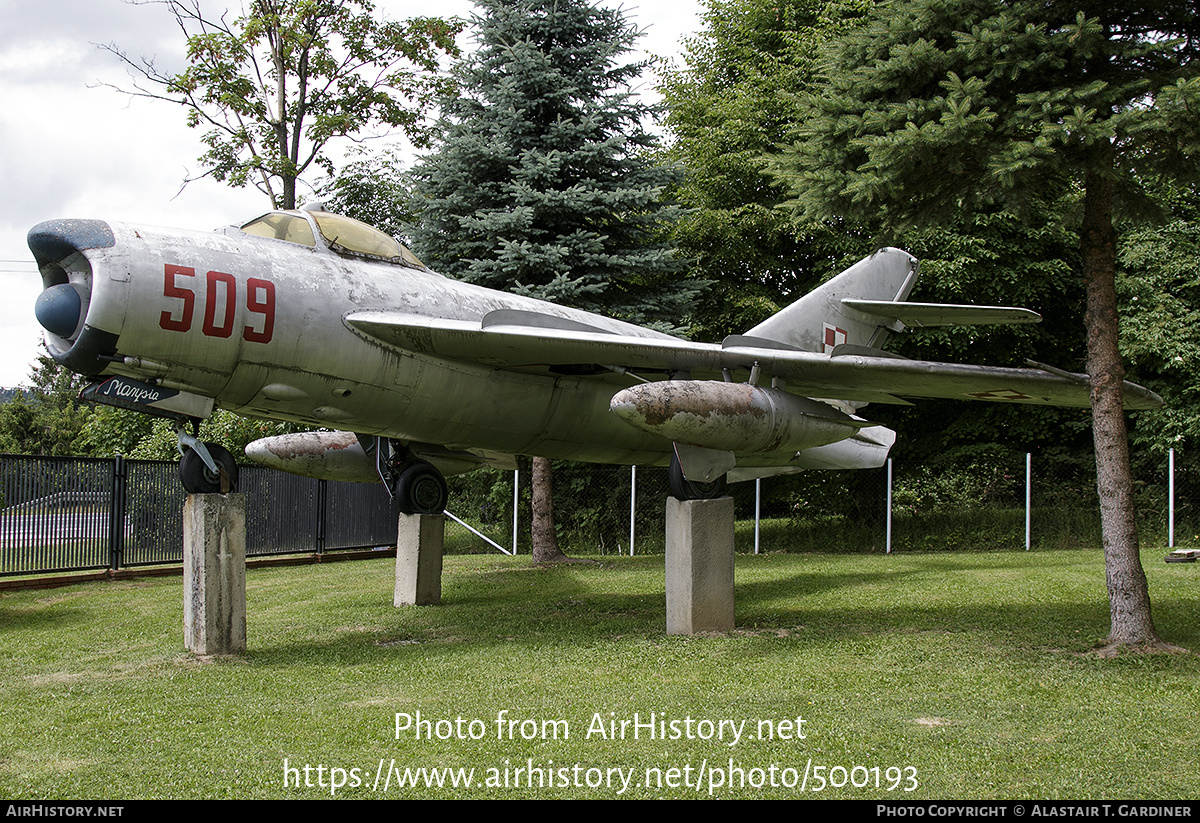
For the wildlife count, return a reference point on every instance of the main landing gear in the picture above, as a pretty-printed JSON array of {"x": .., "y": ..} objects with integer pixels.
[
  {"x": 204, "y": 468},
  {"x": 684, "y": 489},
  {"x": 416, "y": 485},
  {"x": 419, "y": 488}
]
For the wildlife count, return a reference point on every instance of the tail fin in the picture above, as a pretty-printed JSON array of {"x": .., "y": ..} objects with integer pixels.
[{"x": 820, "y": 320}]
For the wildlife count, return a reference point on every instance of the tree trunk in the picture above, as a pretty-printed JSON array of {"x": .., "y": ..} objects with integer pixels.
[
  {"x": 288, "y": 201},
  {"x": 1129, "y": 597},
  {"x": 545, "y": 543}
]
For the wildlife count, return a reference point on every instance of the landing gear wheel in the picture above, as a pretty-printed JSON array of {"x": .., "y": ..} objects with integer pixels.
[
  {"x": 198, "y": 478},
  {"x": 684, "y": 489},
  {"x": 421, "y": 489}
]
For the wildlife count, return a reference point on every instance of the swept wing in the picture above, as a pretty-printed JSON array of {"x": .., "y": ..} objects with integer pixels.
[{"x": 855, "y": 376}]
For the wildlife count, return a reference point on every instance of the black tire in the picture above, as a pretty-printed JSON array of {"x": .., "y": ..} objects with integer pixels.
[
  {"x": 684, "y": 489},
  {"x": 421, "y": 489},
  {"x": 197, "y": 478}
]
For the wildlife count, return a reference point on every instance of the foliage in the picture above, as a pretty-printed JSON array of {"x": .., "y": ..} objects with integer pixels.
[
  {"x": 995, "y": 258},
  {"x": 224, "y": 427},
  {"x": 277, "y": 85},
  {"x": 937, "y": 106},
  {"x": 741, "y": 92},
  {"x": 1160, "y": 325},
  {"x": 48, "y": 419},
  {"x": 541, "y": 181},
  {"x": 45, "y": 418},
  {"x": 985, "y": 478},
  {"x": 371, "y": 188},
  {"x": 735, "y": 98},
  {"x": 931, "y": 108}
]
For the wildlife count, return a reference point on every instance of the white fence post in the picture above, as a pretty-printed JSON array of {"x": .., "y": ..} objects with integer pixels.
[
  {"x": 1170, "y": 498},
  {"x": 889, "y": 506},
  {"x": 632, "y": 504},
  {"x": 1028, "y": 494},
  {"x": 757, "y": 509},
  {"x": 516, "y": 502}
]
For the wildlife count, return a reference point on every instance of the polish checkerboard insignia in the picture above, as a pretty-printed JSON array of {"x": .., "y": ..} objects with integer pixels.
[{"x": 833, "y": 337}]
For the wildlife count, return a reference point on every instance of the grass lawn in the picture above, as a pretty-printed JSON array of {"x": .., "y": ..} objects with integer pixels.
[{"x": 916, "y": 676}]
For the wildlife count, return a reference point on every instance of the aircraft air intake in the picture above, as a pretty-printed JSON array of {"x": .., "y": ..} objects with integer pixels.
[{"x": 60, "y": 248}]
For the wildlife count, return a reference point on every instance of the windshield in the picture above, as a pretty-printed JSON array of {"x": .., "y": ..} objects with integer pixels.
[
  {"x": 282, "y": 226},
  {"x": 349, "y": 236},
  {"x": 343, "y": 235}
]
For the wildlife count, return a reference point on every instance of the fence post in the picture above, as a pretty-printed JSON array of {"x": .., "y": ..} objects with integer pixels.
[
  {"x": 322, "y": 498},
  {"x": 516, "y": 502},
  {"x": 757, "y": 509},
  {"x": 889, "y": 506},
  {"x": 1170, "y": 498},
  {"x": 632, "y": 504},
  {"x": 1028, "y": 494},
  {"x": 116, "y": 512}
]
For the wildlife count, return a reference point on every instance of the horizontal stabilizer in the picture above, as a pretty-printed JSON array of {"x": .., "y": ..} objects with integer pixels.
[{"x": 919, "y": 315}]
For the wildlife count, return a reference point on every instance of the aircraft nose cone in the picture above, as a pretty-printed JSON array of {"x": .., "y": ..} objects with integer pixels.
[{"x": 58, "y": 309}]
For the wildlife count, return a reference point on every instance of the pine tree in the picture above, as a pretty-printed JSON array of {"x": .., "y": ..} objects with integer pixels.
[
  {"x": 542, "y": 181},
  {"x": 934, "y": 107}
]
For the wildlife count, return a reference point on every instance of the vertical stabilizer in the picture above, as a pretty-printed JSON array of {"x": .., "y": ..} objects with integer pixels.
[{"x": 819, "y": 320}]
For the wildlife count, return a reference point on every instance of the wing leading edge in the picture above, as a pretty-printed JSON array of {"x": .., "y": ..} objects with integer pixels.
[{"x": 852, "y": 376}]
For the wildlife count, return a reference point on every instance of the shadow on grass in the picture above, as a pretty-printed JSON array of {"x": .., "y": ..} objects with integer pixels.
[{"x": 1014, "y": 602}]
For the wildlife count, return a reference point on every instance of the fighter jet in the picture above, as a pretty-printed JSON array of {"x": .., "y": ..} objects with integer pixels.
[{"x": 311, "y": 317}]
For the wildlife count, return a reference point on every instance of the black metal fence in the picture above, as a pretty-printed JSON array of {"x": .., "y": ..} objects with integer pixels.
[{"x": 72, "y": 514}]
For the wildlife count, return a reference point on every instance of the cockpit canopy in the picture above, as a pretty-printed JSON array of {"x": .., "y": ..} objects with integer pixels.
[{"x": 342, "y": 235}]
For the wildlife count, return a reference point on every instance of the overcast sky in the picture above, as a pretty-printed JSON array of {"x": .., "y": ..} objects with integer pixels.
[{"x": 72, "y": 148}]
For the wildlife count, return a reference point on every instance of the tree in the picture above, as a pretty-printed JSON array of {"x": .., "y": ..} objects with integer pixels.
[
  {"x": 542, "y": 182},
  {"x": 1160, "y": 323},
  {"x": 739, "y": 94},
  {"x": 938, "y": 106},
  {"x": 372, "y": 188},
  {"x": 46, "y": 418},
  {"x": 734, "y": 99},
  {"x": 277, "y": 85}
]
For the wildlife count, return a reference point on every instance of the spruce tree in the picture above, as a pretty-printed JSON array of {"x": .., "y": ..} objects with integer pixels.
[
  {"x": 934, "y": 107},
  {"x": 542, "y": 180}
]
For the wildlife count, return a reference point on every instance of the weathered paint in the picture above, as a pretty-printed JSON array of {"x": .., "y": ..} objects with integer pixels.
[
  {"x": 327, "y": 455},
  {"x": 279, "y": 331},
  {"x": 736, "y": 417}
]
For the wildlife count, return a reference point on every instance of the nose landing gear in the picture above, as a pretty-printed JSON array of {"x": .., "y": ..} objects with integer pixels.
[{"x": 205, "y": 468}]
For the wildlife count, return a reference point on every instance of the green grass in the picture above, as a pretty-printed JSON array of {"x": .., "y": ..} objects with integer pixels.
[{"x": 973, "y": 669}]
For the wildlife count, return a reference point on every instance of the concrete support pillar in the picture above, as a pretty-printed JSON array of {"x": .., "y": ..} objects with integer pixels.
[
  {"x": 419, "y": 560},
  {"x": 699, "y": 565},
  {"x": 214, "y": 573}
]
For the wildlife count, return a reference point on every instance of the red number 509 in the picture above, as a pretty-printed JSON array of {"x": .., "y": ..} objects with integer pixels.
[{"x": 220, "y": 304}]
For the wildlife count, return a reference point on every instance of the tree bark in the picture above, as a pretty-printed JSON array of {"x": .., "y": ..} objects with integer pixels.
[
  {"x": 545, "y": 542},
  {"x": 1128, "y": 594}
]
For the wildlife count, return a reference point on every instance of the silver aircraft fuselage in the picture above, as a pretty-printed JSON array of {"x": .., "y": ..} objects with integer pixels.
[
  {"x": 258, "y": 325},
  {"x": 313, "y": 318}
]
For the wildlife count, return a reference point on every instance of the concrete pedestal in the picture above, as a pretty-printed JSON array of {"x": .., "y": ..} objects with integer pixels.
[
  {"x": 699, "y": 565},
  {"x": 419, "y": 560},
  {"x": 214, "y": 573}
]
